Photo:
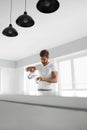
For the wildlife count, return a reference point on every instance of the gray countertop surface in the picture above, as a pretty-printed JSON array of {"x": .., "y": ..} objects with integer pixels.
[{"x": 77, "y": 103}]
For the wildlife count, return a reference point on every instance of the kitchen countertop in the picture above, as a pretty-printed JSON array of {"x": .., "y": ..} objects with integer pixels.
[{"x": 77, "y": 103}]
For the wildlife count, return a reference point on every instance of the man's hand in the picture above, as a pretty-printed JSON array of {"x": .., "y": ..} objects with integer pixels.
[
  {"x": 31, "y": 69},
  {"x": 40, "y": 78}
]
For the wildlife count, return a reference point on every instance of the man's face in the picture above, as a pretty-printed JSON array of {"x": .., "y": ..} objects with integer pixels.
[{"x": 44, "y": 60}]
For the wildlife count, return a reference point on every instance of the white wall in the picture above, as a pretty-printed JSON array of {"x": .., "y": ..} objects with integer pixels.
[
  {"x": 68, "y": 48},
  {"x": 8, "y": 80},
  {"x": 12, "y": 80},
  {"x": 20, "y": 80},
  {"x": 7, "y": 63},
  {"x": 0, "y": 80}
]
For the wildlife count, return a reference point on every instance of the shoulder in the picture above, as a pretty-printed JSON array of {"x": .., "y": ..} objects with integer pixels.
[
  {"x": 54, "y": 65},
  {"x": 38, "y": 67},
  {"x": 53, "y": 62}
]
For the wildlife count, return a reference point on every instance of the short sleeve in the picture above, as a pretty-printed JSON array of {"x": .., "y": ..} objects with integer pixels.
[
  {"x": 38, "y": 67},
  {"x": 54, "y": 66}
]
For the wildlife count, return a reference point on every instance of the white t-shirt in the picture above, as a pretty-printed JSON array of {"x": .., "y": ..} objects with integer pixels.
[{"x": 46, "y": 71}]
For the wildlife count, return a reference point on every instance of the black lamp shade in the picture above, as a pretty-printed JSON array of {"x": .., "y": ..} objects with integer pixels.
[
  {"x": 47, "y": 6},
  {"x": 10, "y": 31},
  {"x": 25, "y": 20}
]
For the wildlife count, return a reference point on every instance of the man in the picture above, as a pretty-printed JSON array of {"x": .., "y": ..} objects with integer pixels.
[{"x": 48, "y": 72}]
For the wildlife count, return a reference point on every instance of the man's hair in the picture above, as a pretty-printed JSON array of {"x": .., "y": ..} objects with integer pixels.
[{"x": 44, "y": 53}]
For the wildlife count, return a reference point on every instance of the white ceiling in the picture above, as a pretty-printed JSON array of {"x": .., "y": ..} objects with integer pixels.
[{"x": 68, "y": 23}]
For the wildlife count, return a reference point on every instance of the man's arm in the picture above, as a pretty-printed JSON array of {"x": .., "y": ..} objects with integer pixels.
[{"x": 53, "y": 79}]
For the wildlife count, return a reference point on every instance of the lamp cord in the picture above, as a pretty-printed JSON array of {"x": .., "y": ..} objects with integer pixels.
[
  {"x": 25, "y": 5},
  {"x": 11, "y": 12}
]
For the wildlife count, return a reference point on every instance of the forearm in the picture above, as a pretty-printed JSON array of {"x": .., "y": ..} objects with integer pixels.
[
  {"x": 53, "y": 79},
  {"x": 50, "y": 80}
]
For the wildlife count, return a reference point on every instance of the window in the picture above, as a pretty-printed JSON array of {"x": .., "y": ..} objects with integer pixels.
[
  {"x": 73, "y": 75},
  {"x": 80, "y": 67},
  {"x": 65, "y": 74}
]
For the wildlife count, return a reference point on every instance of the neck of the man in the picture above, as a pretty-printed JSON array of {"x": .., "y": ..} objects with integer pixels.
[{"x": 46, "y": 63}]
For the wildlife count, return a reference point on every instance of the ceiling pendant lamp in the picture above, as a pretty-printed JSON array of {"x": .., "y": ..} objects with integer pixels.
[
  {"x": 25, "y": 20},
  {"x": 47, "y": 6},
  {"x": 10, "y": 31}
]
